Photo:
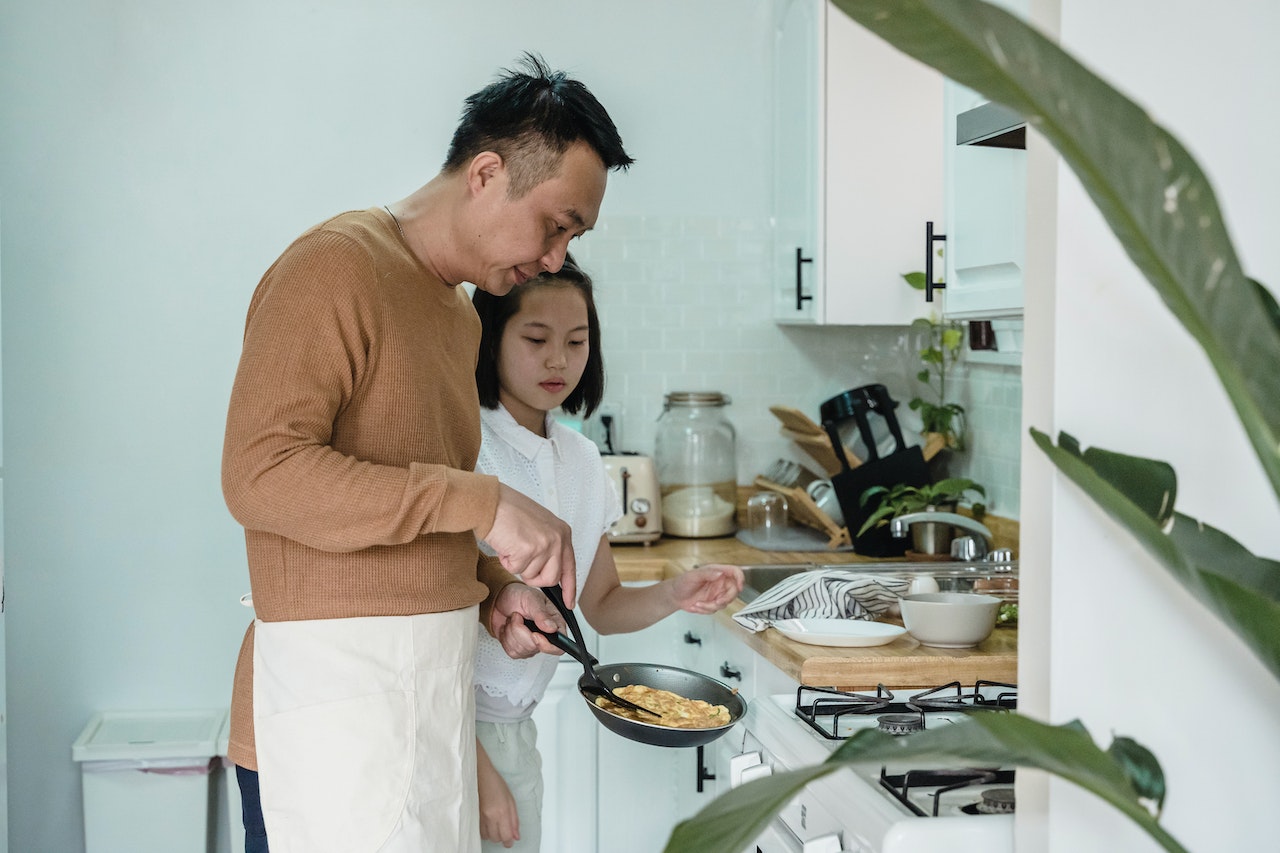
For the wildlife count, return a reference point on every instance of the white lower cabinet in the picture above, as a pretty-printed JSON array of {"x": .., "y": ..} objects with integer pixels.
[
  {"x": 637, "y": 794},
  {"x": 568, "y": 743},
  {"x": 605, "y": 792},
  {"x": 644, "y": 791}
]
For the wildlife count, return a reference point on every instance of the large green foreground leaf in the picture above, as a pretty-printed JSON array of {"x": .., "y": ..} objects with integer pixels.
[
  {"x": 1241, "y": 588},
  {"x": 1126, "y": 775},
  {"x": 734, "y": 820},
  {"x": 1150, "y": 190}
]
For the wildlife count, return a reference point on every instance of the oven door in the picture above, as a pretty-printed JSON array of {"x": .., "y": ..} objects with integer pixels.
[{"x": 777, "y": 839}]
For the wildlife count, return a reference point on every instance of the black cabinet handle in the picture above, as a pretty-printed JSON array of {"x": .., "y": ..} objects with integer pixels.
[
  {"x": 929, "y": 239},
  {"x": 692, "y": 640},
  {"x": 727, "y": 672},
  {"x": 801, "y": 296},
  {"x": 703, "y": 775}
]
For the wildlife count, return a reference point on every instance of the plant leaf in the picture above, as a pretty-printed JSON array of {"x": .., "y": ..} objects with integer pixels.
[
  {"x": 984, "y": 739},
  {"x": 1141, "y": 768},
  {"x": 1241, "y": 588},
  {"x": 1149, "y": 483},
  {"x": 733, "y": 820},
  {"x": 915, "y": 279},
  {"x": 1147, "y": 186}
]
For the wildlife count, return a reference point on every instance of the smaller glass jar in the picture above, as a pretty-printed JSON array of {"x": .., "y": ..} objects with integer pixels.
[{"x": 695, "y": 452}]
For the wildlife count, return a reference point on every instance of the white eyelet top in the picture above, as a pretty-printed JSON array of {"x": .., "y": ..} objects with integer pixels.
[{"x": 564, "y": 474}]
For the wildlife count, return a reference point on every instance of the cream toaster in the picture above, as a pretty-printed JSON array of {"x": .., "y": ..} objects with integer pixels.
[{"x": 636, "y": 482}]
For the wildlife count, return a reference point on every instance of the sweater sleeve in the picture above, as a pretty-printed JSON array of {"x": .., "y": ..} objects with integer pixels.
[{"x": 308, "y": 338}]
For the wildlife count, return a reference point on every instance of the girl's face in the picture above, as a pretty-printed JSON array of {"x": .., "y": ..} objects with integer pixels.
[{"x": 542, "y": 353}]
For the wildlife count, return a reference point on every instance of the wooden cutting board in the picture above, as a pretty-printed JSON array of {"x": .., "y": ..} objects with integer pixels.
[
  {"x": 796, "y": 420},
  {"x": 813, "y": 439},
  {"x": 903, "y": 663}
]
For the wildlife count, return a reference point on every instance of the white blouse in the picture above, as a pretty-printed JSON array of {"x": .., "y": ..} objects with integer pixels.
[{"x": 564, "y": 474}]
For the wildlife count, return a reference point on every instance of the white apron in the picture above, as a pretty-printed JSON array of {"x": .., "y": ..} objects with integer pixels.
[{"x": 365, "y": 732}]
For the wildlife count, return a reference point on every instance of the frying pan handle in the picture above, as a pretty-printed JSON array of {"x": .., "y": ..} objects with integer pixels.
[
  {"x": 556, "y": 594},
  {"x": 560, "y": 641}
]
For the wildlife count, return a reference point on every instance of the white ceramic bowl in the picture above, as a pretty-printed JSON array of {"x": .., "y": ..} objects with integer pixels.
[{"x": 949, "y": 620}]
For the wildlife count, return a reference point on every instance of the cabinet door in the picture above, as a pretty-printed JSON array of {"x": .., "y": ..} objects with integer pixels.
[
  {"x": 883, "y": 159},
  {"x": 664, "y": 779},
  {"x": 986, "y": 197},
  {"x": 858, "y": 170},
  {"x": 986, "y": 212},
  {"x": 567, "y": 738},
  {"x": 637, "y": 794},
  {"x": 797, "y": 173}
]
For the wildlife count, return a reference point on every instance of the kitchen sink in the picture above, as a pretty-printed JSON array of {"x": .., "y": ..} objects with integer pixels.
[
  {"x": 957, "y": 575},
  {"x": 760, "y": 579}
]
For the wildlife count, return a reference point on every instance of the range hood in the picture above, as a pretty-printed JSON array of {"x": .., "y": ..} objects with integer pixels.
[{"x": 991, "y": 125}]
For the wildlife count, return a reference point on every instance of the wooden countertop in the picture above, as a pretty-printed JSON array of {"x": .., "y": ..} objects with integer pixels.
[{"x": 903, "y": 663}]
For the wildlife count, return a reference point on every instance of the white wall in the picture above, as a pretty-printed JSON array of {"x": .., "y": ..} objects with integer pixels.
[
  {"x": 157, "y": 156},
  {"x": 1129, "y": 651}
]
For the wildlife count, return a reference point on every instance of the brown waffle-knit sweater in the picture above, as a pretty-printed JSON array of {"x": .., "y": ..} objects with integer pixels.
[{"x": 351, "y": 436}]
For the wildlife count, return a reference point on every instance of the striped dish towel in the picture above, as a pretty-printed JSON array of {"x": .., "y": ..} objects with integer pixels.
[{"x": 825, "y": 594}]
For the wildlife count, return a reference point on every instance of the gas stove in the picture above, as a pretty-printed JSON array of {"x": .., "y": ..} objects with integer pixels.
[{"x": 890, "y": 809}]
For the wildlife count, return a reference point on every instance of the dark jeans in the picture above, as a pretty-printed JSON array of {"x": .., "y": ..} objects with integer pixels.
[{"x": 255, "y": 831}]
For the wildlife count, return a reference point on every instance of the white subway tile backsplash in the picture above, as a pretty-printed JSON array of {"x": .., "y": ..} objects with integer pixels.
[{"x": 685, "y": 305}]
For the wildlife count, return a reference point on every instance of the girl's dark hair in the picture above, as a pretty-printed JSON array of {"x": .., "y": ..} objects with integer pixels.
[
  {"x": 494, "y": 313},
  {"x": 530, "y": 118}
]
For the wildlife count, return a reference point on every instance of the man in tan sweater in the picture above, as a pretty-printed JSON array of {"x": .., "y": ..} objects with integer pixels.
[{"x": 352, "y": 434}]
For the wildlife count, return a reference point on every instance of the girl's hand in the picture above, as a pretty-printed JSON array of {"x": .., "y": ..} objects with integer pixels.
[
  {"x": 516, "y": 603},
  {"x": 707, "y": 589},
  {"x": 498, "y": 818}
]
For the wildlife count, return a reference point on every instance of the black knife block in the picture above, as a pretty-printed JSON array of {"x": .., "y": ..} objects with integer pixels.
[{"x": 905, "y": 465}]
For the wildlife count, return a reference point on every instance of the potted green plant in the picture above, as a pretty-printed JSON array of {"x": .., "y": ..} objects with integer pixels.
[
  {"x": 943, "y": 496},
  {"x": 943, "y": 340},
  {"x": 1124, "y": 161}
]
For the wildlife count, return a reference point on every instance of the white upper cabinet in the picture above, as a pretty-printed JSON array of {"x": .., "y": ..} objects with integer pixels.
[
  {"x": 985, "y": 161},
  {"x": 858, "y": 170}
]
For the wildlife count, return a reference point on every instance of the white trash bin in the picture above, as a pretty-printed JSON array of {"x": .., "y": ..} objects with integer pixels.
[{"x": 146, "y": 779}]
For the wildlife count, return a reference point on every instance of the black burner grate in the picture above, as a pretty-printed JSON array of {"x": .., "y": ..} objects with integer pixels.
[
  {"x": 942, "y": 781},
  {"x": 823, "y": 707}
]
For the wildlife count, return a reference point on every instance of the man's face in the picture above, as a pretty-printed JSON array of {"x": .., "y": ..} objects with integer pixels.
[{"x": 516, "y": 239}]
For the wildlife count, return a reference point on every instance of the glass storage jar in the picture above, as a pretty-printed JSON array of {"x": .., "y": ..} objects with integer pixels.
[{"x": 696, "y": 457}]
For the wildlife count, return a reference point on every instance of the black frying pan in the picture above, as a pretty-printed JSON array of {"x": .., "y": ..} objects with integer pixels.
[{"x": 683, "y": 682}]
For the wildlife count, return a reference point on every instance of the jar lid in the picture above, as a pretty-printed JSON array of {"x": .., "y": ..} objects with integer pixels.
[{"x": 697, "y": 398}]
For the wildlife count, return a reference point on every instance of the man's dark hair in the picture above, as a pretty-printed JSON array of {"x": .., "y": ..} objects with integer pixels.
[
  {"x": 529, "y": 118},
  {"x": 494, "y": 313}
]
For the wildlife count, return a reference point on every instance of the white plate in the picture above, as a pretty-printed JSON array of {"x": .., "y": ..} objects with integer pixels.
[{"x": 839, "y": 632}]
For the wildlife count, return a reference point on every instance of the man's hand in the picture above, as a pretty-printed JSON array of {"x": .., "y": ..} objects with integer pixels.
[
  {"x": 533, "y": 544},
  {"x": 516, "y": 603}
]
